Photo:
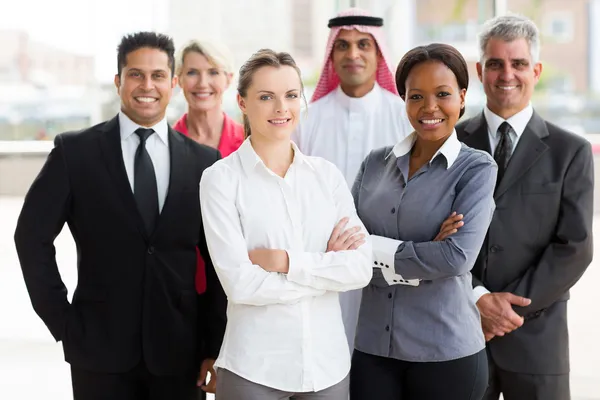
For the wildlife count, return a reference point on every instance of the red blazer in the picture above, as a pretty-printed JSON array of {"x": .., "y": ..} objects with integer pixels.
[{"x": 232, "y": 136}]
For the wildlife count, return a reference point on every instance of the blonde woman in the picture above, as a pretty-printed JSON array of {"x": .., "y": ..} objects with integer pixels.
[
  {"x": 205, "y": 72},
  {"x": 285, "y": 240}
]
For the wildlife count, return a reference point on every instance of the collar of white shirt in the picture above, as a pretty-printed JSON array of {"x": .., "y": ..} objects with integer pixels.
[
  {"x": 128, "y": 128},
  {"x": 366, "y": 103},
  {"x": 517, "y": 122},
  {"x": 449, "y": 149},
  {"x": 250, "y": 159}
]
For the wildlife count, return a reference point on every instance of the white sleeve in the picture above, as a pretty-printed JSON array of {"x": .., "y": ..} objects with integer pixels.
[
  {"x": 479, "y": 291},
  {"x": 335, "y": 270},
  {"x": 243, "y": 282},
  {"x": 384, "y": 252}
]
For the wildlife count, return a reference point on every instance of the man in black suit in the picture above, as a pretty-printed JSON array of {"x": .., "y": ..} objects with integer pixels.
[
  {"x": 128, "y": 190},
  {"x": 540, "y": 240}
]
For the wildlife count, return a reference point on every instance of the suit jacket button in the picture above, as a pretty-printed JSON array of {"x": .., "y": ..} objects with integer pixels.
[
  {"x": 151, "y": 250},
  {"x": 495, "y": 249}
]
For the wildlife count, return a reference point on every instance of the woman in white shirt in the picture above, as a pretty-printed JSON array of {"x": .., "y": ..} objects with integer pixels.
[{"x": 285, "y": 239}]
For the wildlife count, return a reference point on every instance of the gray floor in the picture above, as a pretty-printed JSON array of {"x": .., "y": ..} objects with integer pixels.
[{"x": 32, "y": 367}]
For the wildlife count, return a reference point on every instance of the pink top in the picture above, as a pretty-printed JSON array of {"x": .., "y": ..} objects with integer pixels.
[{"x": 232, "y": 136}]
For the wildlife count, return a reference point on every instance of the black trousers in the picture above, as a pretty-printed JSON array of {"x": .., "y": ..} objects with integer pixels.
[
  {"x": 137, "y": 384},
  {"x": 515, "y": 386},
  {"x": 382, "y": 378}
]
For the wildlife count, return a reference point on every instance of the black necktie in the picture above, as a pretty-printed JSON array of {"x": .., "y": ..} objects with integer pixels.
[
  {"x": 503, "y": 150},
  {"x": 144, "y": 182}
]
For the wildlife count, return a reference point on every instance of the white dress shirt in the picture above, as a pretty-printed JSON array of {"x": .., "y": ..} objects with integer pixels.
[
  {"x": 284, "y": 331},
  {"x": 157, "y": 146},
  {"x": 518, "y": 123},
  {"x": 345, "y": 129}
]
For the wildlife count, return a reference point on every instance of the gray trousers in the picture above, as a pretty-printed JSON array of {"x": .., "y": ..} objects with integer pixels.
[
  {"x": 515, "y": 386},
  {"x": 233, "y": 387}
]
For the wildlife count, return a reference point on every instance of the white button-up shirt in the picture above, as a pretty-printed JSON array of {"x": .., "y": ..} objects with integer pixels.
[
  {"x": 345, "y": 129},
  {"x": 157, "y": 146},
  {"x": 284, "y": 331},
  {"x": 517, "y": 122}
]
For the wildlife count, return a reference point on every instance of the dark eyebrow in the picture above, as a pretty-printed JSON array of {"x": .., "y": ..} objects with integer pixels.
[
  {"x": 153, "y": 72},
  {"x": 363, "y": 39},
  {"x": 522, "y": 60},
  {"x": 439, "y": 87}
]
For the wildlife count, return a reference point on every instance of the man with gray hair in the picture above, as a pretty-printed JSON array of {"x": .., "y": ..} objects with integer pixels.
[{"x": 540, "y": 240}]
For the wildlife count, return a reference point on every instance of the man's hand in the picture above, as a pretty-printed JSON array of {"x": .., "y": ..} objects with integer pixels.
[
  {"x": 270, "y": 260},
  {"x": 497, "y": 315},
  {"x": 208, "y": 365},
  {"x": 348, "y": 239},
  {"x": 449, "y": 226}
]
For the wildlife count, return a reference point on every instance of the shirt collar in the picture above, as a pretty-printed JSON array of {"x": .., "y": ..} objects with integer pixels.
[
  {"x": 517, "y": 122},
  {"x": 450, "y": 149},
  {"x": 250, "y": 159},
  {"x": 361, "y": 104},
  {"x": 128, "y": 128}
]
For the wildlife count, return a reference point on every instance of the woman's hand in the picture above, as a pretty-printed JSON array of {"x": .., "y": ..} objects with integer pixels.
[
  {"x": 270, "y": 260},
  {"x": 348, "y": 239},
  {"x": 449, "y": 226}
]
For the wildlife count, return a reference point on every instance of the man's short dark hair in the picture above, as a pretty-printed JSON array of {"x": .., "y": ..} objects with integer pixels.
[{"x": 135, "y": 41}]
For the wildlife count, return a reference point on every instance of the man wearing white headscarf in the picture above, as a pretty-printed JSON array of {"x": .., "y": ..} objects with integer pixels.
[{"x": 355, "y": 108}]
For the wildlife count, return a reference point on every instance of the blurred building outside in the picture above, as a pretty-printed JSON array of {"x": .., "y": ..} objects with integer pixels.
[{"x": 45, "y": 90}]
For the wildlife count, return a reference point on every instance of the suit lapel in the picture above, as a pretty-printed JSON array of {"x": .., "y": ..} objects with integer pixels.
[
  {"x": 477, "y": 134},
  {"x": 529, "y": 149},
  {"x": 110, "y": 142},
  {"x": 178, "y": 155}
]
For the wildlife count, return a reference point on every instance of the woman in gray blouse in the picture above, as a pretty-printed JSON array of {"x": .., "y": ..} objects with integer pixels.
[{"x": 419, "y": 333}]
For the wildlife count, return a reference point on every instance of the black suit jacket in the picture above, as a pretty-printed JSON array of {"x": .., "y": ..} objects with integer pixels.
[
  {"x": 540, "y": 240},
  {"x": 135, "y": 297}
]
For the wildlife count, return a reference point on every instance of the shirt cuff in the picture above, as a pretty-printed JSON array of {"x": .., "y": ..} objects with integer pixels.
[
  {"x": 479, "y": 291},
  {"x": 384, "y": 254},
  {"x": 384, "y": 251},
  {"x": 296, "y": 270}
]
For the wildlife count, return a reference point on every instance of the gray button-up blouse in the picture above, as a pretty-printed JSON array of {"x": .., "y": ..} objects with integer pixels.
[{"x": 436, "y": 320}]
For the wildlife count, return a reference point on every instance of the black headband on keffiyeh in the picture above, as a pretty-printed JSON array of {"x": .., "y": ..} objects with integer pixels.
[{"x": 348, "y": 20}]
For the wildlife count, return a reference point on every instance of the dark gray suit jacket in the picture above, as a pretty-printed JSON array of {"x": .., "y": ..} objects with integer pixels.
[{"x": 540, "y": 240}]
